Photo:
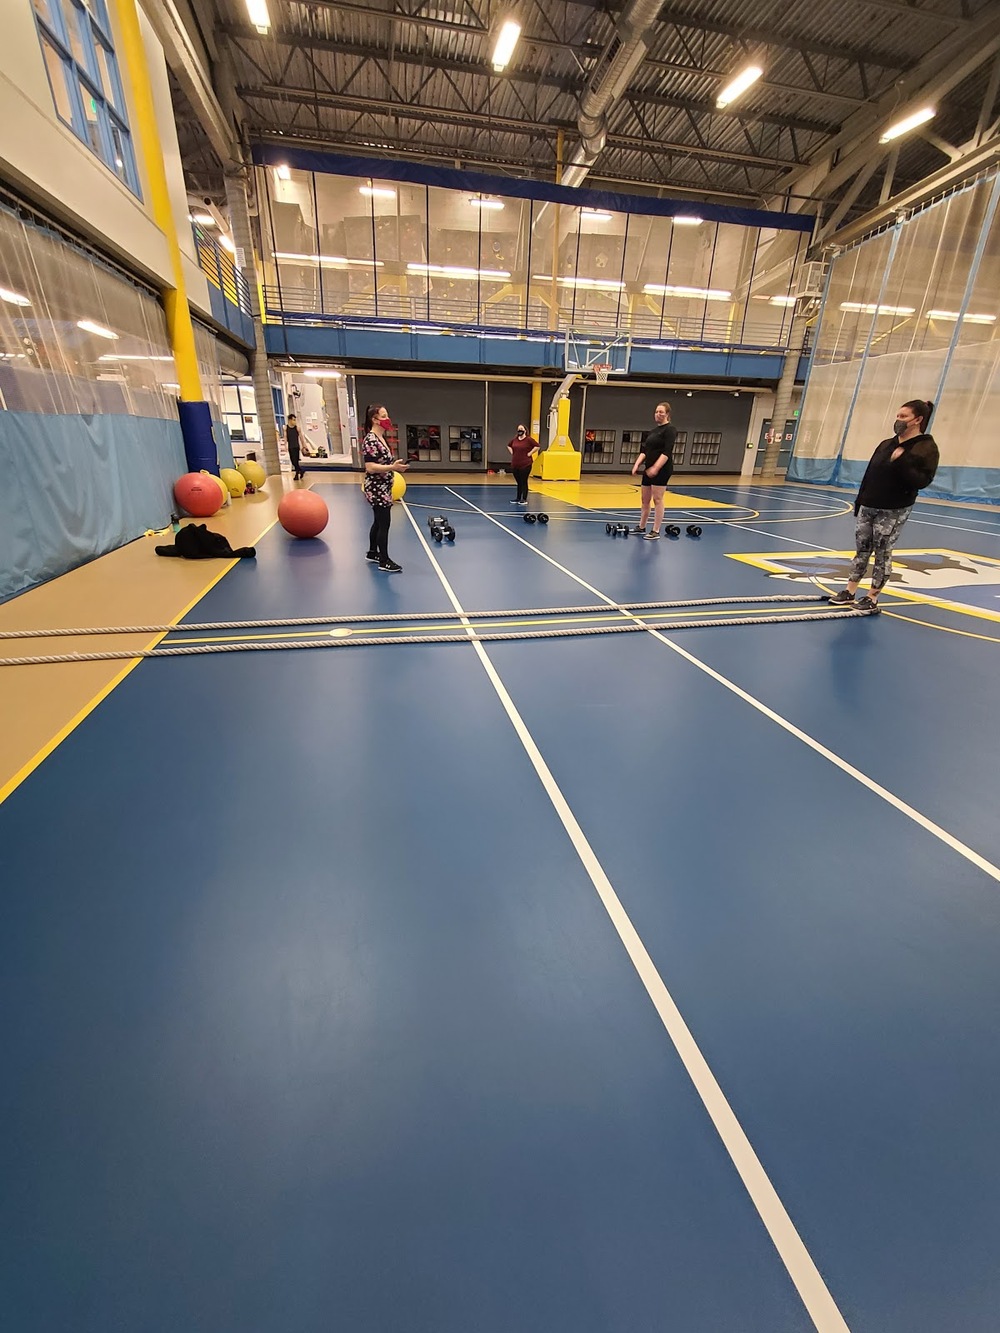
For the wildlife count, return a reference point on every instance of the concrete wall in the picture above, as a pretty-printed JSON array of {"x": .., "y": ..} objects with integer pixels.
[
  {"x": 626, "y": 408},
  {"x": 447, "y": 402},
  {"x": 45, "y": 160}
]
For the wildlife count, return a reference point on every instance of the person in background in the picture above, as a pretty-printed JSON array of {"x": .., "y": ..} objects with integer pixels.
[
  {"x": 901, "y": 466},
  {"x": 294, "y": 446},
  {"x": 522, "y": 448},
  {"x": 656, "y": 458},
  {"x": 380, "y": 465}
]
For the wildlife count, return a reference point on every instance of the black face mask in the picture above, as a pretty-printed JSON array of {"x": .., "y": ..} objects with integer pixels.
[
  {"x": 899, "y": 427},
  {"x": 520, "y": 434}
]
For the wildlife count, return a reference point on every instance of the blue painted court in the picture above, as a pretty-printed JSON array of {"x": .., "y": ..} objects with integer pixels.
[{"x": 639, "y": 981}]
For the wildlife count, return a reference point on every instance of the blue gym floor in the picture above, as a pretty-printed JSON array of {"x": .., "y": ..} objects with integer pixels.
[{"x": 589, "y": 985}]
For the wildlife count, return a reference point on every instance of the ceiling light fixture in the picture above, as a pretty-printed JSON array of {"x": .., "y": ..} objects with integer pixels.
[
  {"x": 507, "y": 38},
  {"x": 704, "y": 293},
  {"x": 686, "y": 220},
  {"x": 587, "y": 284},
  {"x": 327, "y": 261},
  {"x": 908, "y": 123},
  {"x": 456, "y": 271},
  {"x": 377, "y": 192},
  {"x": 478, "y": 202},
  {"x": 259, "y": 17},
  {"x": 738, "y": 86},
  {"x": 953, "y": 316},
  {"x": 13, "y": 298},
  {"x": 89, "y": 326},
  {"x": 863, "y": 308}
]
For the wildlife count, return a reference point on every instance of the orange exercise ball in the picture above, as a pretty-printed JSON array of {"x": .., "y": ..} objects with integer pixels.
[
  {"x": 199, "y": 493},
  {"x": 303, "y": 513}
]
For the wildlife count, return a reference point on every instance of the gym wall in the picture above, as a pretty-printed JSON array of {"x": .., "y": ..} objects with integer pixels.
[{"x": 90, "y": 442}]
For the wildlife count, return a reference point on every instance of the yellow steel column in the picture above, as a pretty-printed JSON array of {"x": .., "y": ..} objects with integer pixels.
[{"x": 133, "y": 60}]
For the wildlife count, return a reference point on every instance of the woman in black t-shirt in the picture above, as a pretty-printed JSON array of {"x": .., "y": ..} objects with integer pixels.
[{"x": 657, "y": 462}]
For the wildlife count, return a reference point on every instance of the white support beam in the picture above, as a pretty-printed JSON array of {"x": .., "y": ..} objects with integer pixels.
[
  {"x": 941, "y": 70},
  {"x": 187, "y": 56}
]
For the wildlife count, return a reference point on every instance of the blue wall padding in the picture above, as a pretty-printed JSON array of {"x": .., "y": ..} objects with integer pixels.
[{"x": 75, "y": 487}]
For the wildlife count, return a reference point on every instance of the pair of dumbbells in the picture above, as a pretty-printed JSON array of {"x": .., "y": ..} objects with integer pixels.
[{"x": 441, "y": 529}]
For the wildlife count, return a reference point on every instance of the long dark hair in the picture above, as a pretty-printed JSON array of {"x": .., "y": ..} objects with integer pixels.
[
  {"x": 922, "y": 408},
  {"x": 371, "y": 412}
]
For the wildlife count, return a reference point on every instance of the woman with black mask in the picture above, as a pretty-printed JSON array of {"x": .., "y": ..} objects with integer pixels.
[
  {"x": 523, "y": 448},
  {"x": 900, "y": 467}
]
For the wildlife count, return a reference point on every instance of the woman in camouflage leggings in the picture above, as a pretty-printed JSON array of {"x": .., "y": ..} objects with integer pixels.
[{"x": 900, "y": 467}]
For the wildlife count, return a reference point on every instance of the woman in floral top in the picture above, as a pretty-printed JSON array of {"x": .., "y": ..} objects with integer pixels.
[{"x": 379, "y": 468}]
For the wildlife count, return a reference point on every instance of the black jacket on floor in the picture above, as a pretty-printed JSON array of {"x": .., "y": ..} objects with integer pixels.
[
  {"x": 196, "y": 542},
  {"x": 894, "y": 485}
]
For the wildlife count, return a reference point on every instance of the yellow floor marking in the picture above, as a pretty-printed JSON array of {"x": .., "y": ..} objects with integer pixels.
[
  {"x": 943, "y": 629},
  {"x": 774, "y": 562},
  {"x": 624, "y": 495},
  {"x": 55, "y": 741}
]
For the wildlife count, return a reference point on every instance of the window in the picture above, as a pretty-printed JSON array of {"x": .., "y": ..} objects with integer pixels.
[
  {"x": 680, "y": 444},
  {"x": 83, "y": 74}
]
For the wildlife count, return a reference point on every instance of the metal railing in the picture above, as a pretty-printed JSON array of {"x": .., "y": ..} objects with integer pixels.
[
  {"x": 516, "y": 319},
  {"x": 220, "y": 268}
]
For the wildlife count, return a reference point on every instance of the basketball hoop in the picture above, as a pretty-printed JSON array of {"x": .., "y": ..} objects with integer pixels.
[{"x": 601, "y": 373}]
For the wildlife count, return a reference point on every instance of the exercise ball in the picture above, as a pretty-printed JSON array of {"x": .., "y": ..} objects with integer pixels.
[
  {"x": 303, "y": 513},
  {"x": 198, "y": 493},
  {"x": 236, "y": 483},
  {"x": 398, "y": 486},
  {"x": 221, "y": 484},
  {"x": 253, "y": 473}
]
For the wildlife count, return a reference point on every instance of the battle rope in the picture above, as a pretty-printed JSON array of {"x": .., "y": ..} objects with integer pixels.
[
  {"x": 458, "y": 636},
  {"x": 418, "y": 615}
]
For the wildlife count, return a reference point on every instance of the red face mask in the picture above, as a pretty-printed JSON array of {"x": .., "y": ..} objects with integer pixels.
[{"x": 385, "y": 423}]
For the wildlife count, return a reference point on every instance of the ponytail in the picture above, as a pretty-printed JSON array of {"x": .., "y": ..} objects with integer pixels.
[{"x": 922, "y": 408}]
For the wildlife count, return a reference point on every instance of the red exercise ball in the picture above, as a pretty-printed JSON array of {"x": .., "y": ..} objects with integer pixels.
[
  {"x": 199, "y": 494},
  {"x": 303, "y": 513}
]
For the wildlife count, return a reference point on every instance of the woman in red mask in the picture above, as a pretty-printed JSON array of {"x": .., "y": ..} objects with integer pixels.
[
  {"x": 379, "y": 468},
  {"x": 522, "y": 450}
]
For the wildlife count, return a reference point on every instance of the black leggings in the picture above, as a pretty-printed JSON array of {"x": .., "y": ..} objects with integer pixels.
[
  {"x": 521, "y": 475},
  {"x": 378, "y": 537}
]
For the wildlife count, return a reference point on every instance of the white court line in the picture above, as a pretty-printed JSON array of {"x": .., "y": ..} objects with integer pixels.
[
  {"x": 816, "y": 1298},
  {"x": 773, "y": 492},
  {"x": 955, "y": 527},
  {"x": 956, "y": 845}
]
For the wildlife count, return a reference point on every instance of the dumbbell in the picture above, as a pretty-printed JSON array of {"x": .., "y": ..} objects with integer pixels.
[
  {"x": 443, "y": 531},
  {"x": 672, "y": 530},
  {"x": 437, "y": 521},
  {"x": 693, "y": 530},
  {"x": 543, "y": 518},
  {"x": 530, "y": 518}
]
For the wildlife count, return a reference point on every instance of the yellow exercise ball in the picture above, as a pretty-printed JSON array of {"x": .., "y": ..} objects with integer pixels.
[
  {"x": 398, "y": 486},
  {"x": 235, "y": 482},
  {"x": 222, "y": 485},
  {"x": 253, "y": 473}
]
